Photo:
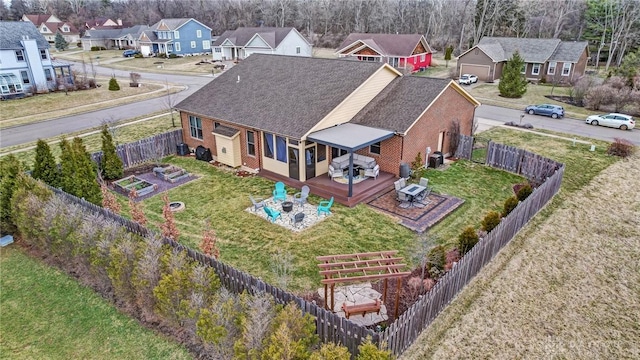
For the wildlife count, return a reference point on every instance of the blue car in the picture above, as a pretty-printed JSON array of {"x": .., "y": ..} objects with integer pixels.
[
  {"x": 130, "y": 53},
  {"x": 555, "y": 111}
]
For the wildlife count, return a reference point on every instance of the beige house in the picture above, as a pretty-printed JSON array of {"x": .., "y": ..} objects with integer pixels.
[
  {"x": 551, "y": 60},
  {"x": 50, "y": 25}
]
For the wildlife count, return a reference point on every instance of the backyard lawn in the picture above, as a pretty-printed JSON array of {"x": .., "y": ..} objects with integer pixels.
[{"x": 45, "y": 314}]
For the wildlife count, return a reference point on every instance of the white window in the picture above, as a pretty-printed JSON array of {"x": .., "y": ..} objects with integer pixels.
[
  {"x": 198, "y": 33},
  {"x": 206, "y": 44},
  {"x": 552, "y": 68},
  {"x": 195, "y": 127},
  {"x": 47, "y": 74},
  {"x": 19, "y": 55},
  {"x": 375, "y": 148},
  {"x": 44, "y": 29},
  {"x": 566, "y": 69},
  {"x": 218, "y": 50},
  {"x": 176, "y": 35},
  {"x": 43, "y": 54},
  {"x": 536, "y": 69},
  {"x": 65, "y": 28},
  {"x": 9, "y": 84},
  {"x": 523, "y": 70},
  {"x": 25, "y": 77},
  {"x": 298, "y": 49},
  {"x": 193, "y": 44},
  {"x": 177, "y": 46},
  {"x": 423, "y": 57}
]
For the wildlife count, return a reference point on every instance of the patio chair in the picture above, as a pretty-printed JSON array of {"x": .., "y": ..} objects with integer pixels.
[
  {"x": 301, "y": 197},
  {"x": 424, "y": 182},
  {"x": 258, "y": 203},
  {"x": 423, "y": 197},
  {"x": 279, "y": 193},
  {"x": 325, "y": 207},
  {"x": 373, "y": 172},
  {"x": 403, "y": 182},
  {"x": 272, "y": 214},
  {"x": 297, "y": 219},
  {"x": 405, "y": 202},
  {"x": 334, "y": 173}
]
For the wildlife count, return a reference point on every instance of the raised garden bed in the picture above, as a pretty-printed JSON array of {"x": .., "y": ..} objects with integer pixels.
[
  {"x": 170, "y": 173},
  {"x": 134, "y": 186}
]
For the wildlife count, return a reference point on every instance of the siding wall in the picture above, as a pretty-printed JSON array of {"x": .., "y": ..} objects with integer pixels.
[
  {"x": 476, "y": 56},
  {"x": 289, "y": 44}
]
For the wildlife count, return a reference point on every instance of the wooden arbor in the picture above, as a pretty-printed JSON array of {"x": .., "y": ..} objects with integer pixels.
[{"x": 361, "y": 267}]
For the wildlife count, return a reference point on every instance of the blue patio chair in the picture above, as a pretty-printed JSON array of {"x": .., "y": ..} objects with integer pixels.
[
  {"x": 279, "y": 193},
  {"x": 325, "y": 207},
  {"x": 272, "y": 214},
  {"x": 301, "y": 197}
]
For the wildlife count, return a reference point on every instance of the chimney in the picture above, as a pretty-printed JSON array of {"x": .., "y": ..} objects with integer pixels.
[{"x": 119, "y": 21}]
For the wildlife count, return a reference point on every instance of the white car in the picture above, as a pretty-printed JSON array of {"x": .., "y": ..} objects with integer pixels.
[
  {"x": 614, "y": 120},
  {"x": 467, "y": 79}
]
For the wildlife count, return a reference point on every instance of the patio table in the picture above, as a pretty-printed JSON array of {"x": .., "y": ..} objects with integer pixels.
[{"x": 412, "y": 190}]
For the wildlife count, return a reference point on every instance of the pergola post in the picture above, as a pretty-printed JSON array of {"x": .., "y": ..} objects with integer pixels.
[
  {"x": 398, "y": 289},
  {"x": 350, "y": 174}
]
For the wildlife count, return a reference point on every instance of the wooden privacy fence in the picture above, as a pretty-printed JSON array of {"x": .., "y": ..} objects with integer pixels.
[
  {"x": 329, "y": 326},
  {"x": 465, "y": 147},
  {"x": 145, "y": 150},
  {"x": 403, "y": 332}
]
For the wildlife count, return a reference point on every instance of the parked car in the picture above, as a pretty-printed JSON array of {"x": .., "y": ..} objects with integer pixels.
[
  {"x": 615, "y": 120},
  {"x": 467, "y": 79},
  {"x": 555, "y": 111},
  {"x": 130, "y": 53}
]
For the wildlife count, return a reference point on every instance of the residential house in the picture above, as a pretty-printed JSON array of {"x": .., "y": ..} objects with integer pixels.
[
  {"x": 176, "y": 36},
  {"x": 25, "y": 63},
  {"x": 102, "y": 23},
  {"x": 402, "y": 51},
  {"x": 275, "y": 114},
  {"x": 50, "y": 25},
  {"x": 551, "y": 60},
  {"x": 127, "y": 38},
  {"x": 242, "y": 42}
]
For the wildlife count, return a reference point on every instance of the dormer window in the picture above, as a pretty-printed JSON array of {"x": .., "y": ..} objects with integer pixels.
[{"x": 65, "y": 28}]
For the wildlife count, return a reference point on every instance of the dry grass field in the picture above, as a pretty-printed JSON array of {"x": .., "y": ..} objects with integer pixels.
[{"x": 568, "y": 287}]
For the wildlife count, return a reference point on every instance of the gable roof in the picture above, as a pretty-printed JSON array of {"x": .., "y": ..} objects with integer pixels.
[
  {"x": 401, "y": 103},
  {"x": 531, "y": 50},
  {"x": 279, "y": 94},
  {"x": 11, "y": 33},
  {"x": 175, "y": 24},
  {"x": 38, "y": 19},
  {"x": 57, "y": 26},
  {"x": 387, "y": 44},
  {"x": 242, "y": 35},
  {"x": 569, "y": 51},
  {"x": 112, "y": 33}
]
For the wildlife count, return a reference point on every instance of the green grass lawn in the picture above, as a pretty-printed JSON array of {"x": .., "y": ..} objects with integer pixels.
[{"x": 47, "y": 315}]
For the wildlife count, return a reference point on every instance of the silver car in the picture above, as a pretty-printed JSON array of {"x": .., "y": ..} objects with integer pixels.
[{"x": 614, "y": 120}]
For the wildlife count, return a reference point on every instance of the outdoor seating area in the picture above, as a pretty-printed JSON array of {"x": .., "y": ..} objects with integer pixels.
[
  {"x": 363, "y": 167},
  {"x": 412, "y": 195},
  {"x": 290, "y": 211}
]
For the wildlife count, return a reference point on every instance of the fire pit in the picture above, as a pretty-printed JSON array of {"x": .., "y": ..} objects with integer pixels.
[
  {"x": 287, "y": 206},
  {"x": 175, "y": 206}
]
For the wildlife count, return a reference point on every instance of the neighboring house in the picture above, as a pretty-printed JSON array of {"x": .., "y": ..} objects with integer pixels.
[
  {"x": 242, "y": 42},
  {"x": 176, "y": 36},
  {"x": 25, "y": 63},
  {"x": 102, "y": 23},
  {"x": 550, "y": 59},
  {"x": 127, "y": 38},
  {"x": 275, "y": 113},
  {"x": 402, "y": 51},
  {"x": 50, "y": 25}
]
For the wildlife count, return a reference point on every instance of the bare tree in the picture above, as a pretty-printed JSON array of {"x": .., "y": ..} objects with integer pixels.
[{"x": 282, "y": 267}]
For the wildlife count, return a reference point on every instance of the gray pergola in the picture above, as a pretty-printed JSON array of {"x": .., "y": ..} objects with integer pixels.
[{"x": 350, "y": 137}]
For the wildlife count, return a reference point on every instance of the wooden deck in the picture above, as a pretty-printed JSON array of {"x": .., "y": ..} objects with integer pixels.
[{"x": 324, "y": 187}]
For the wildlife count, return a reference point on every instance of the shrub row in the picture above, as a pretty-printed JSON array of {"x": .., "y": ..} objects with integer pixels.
[
  {"x": 161, "y": 285},
  {"x": 98, "y": 48}
]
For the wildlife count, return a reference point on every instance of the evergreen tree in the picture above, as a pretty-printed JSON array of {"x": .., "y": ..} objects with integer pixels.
[
  {"x": 60, "y": 43},
  {"x": 112, "y": 167},
  {"x": 512, "y": 83},
  {"x": 447, "y": 54},
  {"x": 45, "y": 167},
  {"x": 10, "y": 169},
  {"x": 630, "y": 67},
  {"x": 113, "y": 84},
  {"x": 67, "y": 167},
  {"x": 87, "y": 186}
]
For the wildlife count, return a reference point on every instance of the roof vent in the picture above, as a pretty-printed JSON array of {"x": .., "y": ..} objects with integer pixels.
[
  {"x": 237, "y": 82},
  {"x": 25, "y": 37}
]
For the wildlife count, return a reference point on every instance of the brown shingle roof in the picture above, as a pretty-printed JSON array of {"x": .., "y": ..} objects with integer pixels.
[
  {"x": 286, "y": 95},
  {"x": 390, "y": 44},
  {"x": 241, "y": 36},
  {"x": 400, "y": 104}
]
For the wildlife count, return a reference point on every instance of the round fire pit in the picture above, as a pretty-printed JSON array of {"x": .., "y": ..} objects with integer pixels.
[
  {"x": 287, "y": 206},
  {"x": 175, "y": 206}
]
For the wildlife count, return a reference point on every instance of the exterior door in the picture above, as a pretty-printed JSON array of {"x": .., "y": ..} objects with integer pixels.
[
  {"x": 440, "y": 141},
  {"x": 294, "y": 163},
  {"x": 310, "y": 162}
]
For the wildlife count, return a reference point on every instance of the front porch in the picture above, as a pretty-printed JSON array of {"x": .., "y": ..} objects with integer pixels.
[{"x": 324, "y": 187}]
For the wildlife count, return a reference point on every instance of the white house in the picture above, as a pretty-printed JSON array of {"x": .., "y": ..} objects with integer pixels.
[
  {"x": 50, "y": 25},
  {"x": 242, "y": 42},
  {"x": 25, "y": 62}
]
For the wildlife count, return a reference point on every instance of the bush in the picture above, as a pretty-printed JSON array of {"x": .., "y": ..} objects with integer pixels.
[
  {"x": 509, "y": 205},
  {"x": 524, "y": 192},
  {"x": 621, "y": 147},
  {"x": 436, "y": 259},
  {"x": 138, "y": 56},
  {"x": 162, "y": 55},
  {"x": 490, "y": 221},
  {"x": 172, "y": 56},
  {"x": 113, "y": 84},
  {"x": 417, "y": 163},
  {"x": 10, "y": 168},
  {"x": 467, "y": 240}
]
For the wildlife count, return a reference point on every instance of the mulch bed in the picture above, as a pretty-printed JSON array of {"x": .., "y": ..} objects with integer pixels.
[{"x": 417, "y": 219}]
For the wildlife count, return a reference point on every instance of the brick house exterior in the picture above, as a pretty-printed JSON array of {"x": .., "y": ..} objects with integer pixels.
[
  {"x": 279, "y": 103},
  {"x": 551, "y": 60}
]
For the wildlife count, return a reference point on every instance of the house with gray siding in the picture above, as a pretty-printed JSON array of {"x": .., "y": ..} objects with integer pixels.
[{"x": 242, "y": 42}]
